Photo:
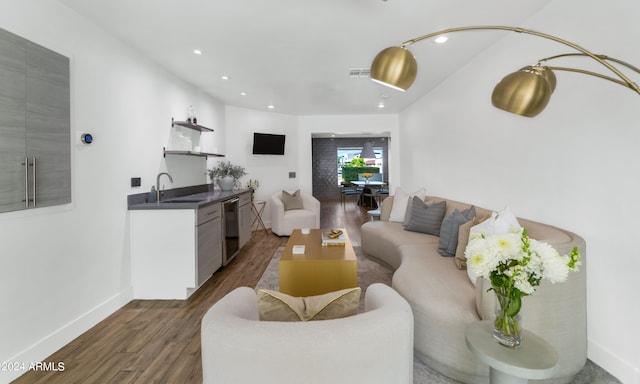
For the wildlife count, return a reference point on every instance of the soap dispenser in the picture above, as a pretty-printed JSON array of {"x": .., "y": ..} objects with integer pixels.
[{"x": 152, "y": 195}]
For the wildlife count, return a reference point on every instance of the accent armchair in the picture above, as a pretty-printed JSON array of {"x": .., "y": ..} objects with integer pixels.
[
  {"x": 284, "y": 221},
  {"x": 372, "y": 347}
]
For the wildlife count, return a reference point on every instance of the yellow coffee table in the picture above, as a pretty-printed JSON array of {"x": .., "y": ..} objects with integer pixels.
[{"x": 320, "y": 269}]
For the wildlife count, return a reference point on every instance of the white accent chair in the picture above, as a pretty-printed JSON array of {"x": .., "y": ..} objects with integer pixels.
[
  {"x": 375, "y": 346},
  {"x": 284, "y": 222}
]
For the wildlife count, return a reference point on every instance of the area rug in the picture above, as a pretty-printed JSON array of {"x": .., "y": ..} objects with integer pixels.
[{"x": 370, "y": 272}]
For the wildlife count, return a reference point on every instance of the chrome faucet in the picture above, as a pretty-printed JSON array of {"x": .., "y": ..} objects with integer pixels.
[{"x": 158, "y": 184}]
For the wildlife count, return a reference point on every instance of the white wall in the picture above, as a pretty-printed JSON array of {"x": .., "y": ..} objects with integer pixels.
[
  {"x": 272, "y": 171},
  {"x": 66, "y": 268},
  {"x": 574, "y": 166}
]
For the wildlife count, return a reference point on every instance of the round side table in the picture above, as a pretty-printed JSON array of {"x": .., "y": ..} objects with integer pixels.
[{"x": 533, "y": 359}]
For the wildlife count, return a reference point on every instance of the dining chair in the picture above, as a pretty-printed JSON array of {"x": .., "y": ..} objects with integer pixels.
[
  {"x": 382, "y": 193},
  {"x": 348, "y": 190},
  {"x": 368, "y": 199}
]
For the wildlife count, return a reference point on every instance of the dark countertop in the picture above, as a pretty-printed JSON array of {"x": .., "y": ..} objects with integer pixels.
[{"x": 182, "y": 198}]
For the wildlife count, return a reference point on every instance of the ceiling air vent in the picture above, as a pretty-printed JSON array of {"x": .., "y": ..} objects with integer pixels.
[{"x": 356, "y": 73}]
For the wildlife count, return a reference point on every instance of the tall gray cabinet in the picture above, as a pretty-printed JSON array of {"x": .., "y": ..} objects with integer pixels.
[{"x": 35, "y": 149}]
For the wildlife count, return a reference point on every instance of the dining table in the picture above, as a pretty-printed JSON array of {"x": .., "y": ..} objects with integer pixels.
[{"x": 369, "y": 183}]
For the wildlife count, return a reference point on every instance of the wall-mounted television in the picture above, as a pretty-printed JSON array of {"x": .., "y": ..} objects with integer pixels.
[{"x": 268, "y": 144}]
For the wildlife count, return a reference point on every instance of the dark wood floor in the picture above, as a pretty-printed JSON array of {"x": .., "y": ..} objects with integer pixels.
[{"x": 158, "y": 341}]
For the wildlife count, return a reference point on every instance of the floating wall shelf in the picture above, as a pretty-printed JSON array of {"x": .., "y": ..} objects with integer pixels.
[
  {"x": 189, "y": 153},
  {"x": 189, "y": 125},
  {"x": 184, "y": 152}
]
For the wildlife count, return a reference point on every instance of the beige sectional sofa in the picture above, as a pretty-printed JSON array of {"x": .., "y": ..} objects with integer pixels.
[{"x": 445, "y": 302}]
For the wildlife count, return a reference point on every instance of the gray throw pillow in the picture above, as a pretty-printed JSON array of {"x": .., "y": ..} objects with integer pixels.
[
  {"x": 426, "y": 219},
  {"x": 407, "y": 216},
  {"x": 292, "y": 201},
  {"x": 449, "y": 230}
]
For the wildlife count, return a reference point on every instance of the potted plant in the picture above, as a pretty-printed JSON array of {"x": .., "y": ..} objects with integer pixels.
[{"x": 226, "y": 175}]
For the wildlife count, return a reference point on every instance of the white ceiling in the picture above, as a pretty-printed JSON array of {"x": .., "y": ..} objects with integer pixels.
[{"x": 295, "y": 54}]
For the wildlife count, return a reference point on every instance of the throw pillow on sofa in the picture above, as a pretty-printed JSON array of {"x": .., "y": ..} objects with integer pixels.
[
  {"x": 407, "y": 215},
  {"x": 463, "y": 239},
  {"x": 278, "y": 306},
  {"x": 400, "y": 201},
  {"x": 498, "y": 223},
  {"x": 426, "y": 218},
  {"x": 292, "y": 200},
  {"x": 448, "y": 242}
]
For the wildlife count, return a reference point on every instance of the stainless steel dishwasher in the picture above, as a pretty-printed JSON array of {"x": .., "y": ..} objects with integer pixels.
[{"x": 231, "y": 228}]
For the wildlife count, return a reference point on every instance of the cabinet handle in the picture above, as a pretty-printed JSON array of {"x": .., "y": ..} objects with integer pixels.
[
  {"x": 26, "y": 164},
  {"x": 26, "y": 182},
  {"x": 34, "y": 181}
]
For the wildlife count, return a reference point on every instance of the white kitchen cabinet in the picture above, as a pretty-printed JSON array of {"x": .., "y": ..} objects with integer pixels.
[
  {"x": 209, "y": 241},
  {"x": 172, "y": 256}
]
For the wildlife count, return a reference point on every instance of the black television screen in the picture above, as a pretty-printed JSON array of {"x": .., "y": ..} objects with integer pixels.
[{"x": 268, "y": 144}]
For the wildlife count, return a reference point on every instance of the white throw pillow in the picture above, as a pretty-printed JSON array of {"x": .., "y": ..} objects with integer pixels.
[
  {"x": 400, "y": 202},
  {"x": 499, "y": 223}
]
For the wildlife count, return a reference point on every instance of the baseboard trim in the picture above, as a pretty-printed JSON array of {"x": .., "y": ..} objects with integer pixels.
[
  {"x": 610, "y": 362},
  {"x": 63, "y": 336}
]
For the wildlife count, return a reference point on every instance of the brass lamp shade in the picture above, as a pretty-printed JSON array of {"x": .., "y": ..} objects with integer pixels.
[
  {"x": 525, "y": 93},
  {"x": 546, "y": 73},
  {"x": 394, "y": 67}
]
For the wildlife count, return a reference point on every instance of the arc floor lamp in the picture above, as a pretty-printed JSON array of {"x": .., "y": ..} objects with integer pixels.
[{"x": 525, "y": 92}]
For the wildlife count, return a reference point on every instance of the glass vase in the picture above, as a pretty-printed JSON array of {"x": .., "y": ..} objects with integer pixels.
[{"x": 506, "y": 326}]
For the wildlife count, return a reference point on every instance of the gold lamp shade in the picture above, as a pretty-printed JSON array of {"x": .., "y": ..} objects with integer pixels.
[
  {"x": 544, "y": 72},
  {"x": 394, "y": 67},
  {"x": 526, "y": 92}
]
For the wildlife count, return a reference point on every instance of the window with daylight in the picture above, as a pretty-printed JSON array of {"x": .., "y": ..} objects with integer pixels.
[{"x": 351, "y": 157}]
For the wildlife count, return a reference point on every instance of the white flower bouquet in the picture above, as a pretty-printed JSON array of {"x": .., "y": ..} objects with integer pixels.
[{"x": 515, "y": 265}]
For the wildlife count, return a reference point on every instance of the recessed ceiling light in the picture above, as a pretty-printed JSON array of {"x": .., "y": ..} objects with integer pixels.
[
  {"x": 197, "y": 52},
  {"x": 381, "y": 105},
  {"x": 271, "y": 106},
  {"x": 440, "y": 39},
  {"x": 243, "y": 93},
  {"x": 224, "y": 77}
]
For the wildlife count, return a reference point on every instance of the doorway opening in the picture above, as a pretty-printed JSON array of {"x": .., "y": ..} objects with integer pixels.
[{"x": 327, "y": 162}]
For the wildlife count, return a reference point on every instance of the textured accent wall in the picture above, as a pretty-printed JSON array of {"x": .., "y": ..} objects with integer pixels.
[{"x": 324, "y": 158}]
